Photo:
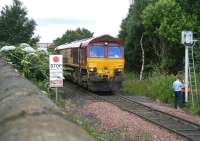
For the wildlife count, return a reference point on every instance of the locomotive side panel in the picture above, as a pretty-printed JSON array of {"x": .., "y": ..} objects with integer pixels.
[
  {"x": 67, "y": 56},
  {"x": 83, "y": 57},
  {"x": 73, "y": 56}
]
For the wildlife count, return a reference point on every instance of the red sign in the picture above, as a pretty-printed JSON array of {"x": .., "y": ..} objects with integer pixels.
[
  {"x": 56, "y": 83},
  {"x": 56, "y": 59}
]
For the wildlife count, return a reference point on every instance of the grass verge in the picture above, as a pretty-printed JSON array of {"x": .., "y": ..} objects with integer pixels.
[{"x": 158, "y": 87}]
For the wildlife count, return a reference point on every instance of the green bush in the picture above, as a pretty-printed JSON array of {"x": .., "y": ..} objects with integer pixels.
[
  {"x": 34, "y": 66},
  {"x": 158, "y": 86},
  {"x": 14, "y": 56}
]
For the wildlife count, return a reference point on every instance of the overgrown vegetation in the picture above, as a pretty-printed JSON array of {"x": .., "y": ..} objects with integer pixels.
[
  {"x": 158, "y": 25},
  {"x": 158, "y": 87},
  {"x": 33, "y": 65}
]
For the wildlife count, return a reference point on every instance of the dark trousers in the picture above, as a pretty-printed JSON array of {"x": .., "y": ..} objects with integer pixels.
[
  {"x": 183, "y": 98},
  {"x": 177, "y": 99}
]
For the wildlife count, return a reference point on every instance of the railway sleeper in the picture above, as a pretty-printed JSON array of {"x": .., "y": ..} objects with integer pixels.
[
  {"x": 191, "y": 133},
  {"x": 174, "y": 126},
  {"x": 193, "y": 137},
  {"x": 133, "y": 109},
  {"x": 145, "y": 114},
  {"x": 139, "y": 111},
  {"x": 188, "y": 129}
]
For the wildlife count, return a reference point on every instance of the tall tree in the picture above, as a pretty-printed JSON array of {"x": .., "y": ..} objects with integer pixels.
[
  {"x": 192, "y": 7},
  {"x": 15, "y": 26},
  {"x": 72, "y": 35},
  {"x": 164, "y": 21},
  {"x": 131, "y": 32},
  {"x": 160, "y": 22}
]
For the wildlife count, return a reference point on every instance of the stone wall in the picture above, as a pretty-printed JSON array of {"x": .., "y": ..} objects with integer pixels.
[{"x": 27, "y": 115}]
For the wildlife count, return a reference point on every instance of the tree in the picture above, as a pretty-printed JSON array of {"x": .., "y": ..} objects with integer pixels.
[
  {"x": 160, "y": 22},
  {"x": 72, "y": 35},
  {"x": 192, "y": 7},
  {"x": 167, "y": 19},
  {"x": 15, "y": 26},
  {"x": 164, "y": 21},
  {"x": 131, "y": 32}
]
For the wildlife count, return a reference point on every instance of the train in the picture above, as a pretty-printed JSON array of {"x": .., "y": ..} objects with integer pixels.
[{"x": 96, "y": 63}]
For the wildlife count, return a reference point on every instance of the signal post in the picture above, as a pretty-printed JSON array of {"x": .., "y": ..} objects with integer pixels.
[{"x": 187, "y": 41}]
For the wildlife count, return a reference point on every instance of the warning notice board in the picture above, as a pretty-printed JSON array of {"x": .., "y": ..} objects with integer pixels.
[{"x": 56, "y": 70}]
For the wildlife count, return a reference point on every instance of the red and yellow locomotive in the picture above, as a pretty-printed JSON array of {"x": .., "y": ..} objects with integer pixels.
[{"x": 96, "y": 63}]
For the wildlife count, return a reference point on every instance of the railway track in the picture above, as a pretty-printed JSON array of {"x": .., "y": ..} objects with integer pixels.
[{"x": 188, "y": 130}]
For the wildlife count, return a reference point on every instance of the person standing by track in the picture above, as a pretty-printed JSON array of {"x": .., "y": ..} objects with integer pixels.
[{"x": 177, "y": 85}]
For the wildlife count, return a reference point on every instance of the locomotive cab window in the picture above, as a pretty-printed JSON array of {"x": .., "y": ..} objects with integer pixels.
[
  {"x": 97, "y": 51},
  {"x": 114, "y": 52}
]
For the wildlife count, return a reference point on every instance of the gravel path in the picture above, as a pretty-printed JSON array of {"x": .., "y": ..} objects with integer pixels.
[{"x": 137, "y": 129}]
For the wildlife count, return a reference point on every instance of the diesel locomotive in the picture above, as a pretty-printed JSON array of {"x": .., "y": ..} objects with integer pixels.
[{"x": 96, "y": 63}]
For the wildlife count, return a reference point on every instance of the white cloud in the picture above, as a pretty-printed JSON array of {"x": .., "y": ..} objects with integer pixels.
[
  {"x": 105, "y": 14},
  {"x": 5, "y": 2}
]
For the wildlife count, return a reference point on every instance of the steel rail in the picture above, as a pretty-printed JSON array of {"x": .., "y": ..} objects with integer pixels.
[{"x": 180, "y": 126}]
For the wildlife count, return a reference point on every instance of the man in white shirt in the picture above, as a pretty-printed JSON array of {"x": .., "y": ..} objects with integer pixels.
[{"x": 177, "y": 91}]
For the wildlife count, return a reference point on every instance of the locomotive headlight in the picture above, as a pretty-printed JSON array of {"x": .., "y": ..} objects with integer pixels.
[
  {"x": 93, "y": 69},
  {"x": 118, "y": 70}
]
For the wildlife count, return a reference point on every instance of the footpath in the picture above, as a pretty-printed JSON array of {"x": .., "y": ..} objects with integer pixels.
[{"x": 27, "y": 115}]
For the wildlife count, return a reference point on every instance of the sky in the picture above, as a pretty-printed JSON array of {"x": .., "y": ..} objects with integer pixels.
[{"x": 54, "y": 17}]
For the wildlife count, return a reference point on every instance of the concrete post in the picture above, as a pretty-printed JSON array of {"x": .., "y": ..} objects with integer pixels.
[{"x": 186, "y": 73}]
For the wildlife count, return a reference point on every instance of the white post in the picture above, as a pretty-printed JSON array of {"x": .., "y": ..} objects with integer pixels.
[
  {"x": 56, "y": 94},
  {"x": 186, "y": 73}
]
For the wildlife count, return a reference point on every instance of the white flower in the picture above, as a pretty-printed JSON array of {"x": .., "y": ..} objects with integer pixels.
[
  {"x": 32, "y": 54},
  {"x": 28, "y": 49},
  {"x": 7, "y": 48},
  {"x": 42, "y": 49},
  {"x": 24, "y": 45}
]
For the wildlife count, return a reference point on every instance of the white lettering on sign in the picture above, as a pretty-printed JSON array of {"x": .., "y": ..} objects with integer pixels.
[{"x": 56, "y": 70}]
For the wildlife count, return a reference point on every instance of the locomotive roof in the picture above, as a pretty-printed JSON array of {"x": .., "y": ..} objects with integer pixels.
[{"x": 86, "y": 42}]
